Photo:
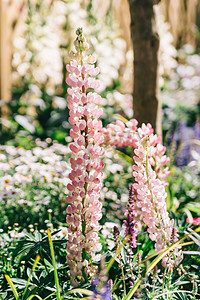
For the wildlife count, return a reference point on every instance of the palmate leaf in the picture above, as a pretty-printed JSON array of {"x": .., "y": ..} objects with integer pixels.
[
  {"x": 22, "y": 247},
  {"x": 28, "y": 248},
  {"x": 44, "y": 281},
  {"x": 23, "y": 284}
]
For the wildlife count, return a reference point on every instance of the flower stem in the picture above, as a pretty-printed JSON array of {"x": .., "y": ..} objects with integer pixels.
[{"x": 163, "y": 283}]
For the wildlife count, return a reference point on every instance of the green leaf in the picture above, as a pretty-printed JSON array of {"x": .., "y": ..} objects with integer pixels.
[
  {"x": 193, "y": 206},
  {"x": 119, "y": 117},
  {"x": 81, "y": 291},
  {"x": 124, "y": 156},
  {"x": 48, "y": 263}
]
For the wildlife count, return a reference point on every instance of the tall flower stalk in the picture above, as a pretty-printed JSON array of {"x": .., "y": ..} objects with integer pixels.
[{"x": 84, "y": 209}]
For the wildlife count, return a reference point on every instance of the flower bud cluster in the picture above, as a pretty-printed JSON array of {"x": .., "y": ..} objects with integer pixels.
[
  {"x": 80, "y": 43},
  {"x": 121, "y": 134},
  {"x": 84, "y": 209},
  {"x": 117, "y": 244}
]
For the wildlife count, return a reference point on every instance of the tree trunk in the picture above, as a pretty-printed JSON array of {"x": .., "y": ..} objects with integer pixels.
[{"x": 146, "y": 103}]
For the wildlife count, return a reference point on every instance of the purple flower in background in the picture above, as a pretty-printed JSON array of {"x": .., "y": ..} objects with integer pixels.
[
  {"x": 182, "y": 138},
  {"x": 130, "y": 221},
  {"x": 183, "y": 141},
  {"x": 197, "y": 130},
  {"x": 196, "y": 137},
  {"x": 100, "y": 292}
]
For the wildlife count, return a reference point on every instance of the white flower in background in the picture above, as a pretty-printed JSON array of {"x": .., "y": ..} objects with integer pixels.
[
  {"x": 183, "y": 84},
  {"x": 63, "y": 233},
  {"x": 32, "y": 177},
  {"x": 9, "y": 194}
]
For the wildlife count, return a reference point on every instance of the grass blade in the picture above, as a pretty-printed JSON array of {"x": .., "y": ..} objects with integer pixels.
[
  {"x": 32, "y": 296},
  {"x": 12, "y": 287},
  {"x": 54, "y": 266},
  {"x": 49, "y": 296}
]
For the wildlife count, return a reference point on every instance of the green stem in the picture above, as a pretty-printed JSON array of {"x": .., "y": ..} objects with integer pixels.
[
  {"x": 42, "y": 258},
  {"x": 154, "y": 285},
  {"x": 124, "y": 283},
  {"x": 85, "y": 186},
  {"x": 54, "y": 266},
  {"x": 170, "y": 280},
  {"x": 163, "y": 283}
]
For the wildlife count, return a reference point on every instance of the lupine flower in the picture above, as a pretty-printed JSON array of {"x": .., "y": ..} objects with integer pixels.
[
  {"x": 151, "y": 197},
  {"x": 128, "y": 134},
  {"x": 117, "y": 244},
  {"x": 149, "y": 175},
  {"x": 130, "y": 222},
  {"x": 84, "y": 209},
  {"x": 101, "y": 285},
  {"x": 116, "y": 236}
]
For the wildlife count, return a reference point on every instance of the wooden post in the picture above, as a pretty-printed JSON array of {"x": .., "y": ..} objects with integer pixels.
[
  {"x": 5, "y": 52},
  {"x": 10, "y": 11},
  {"x": 146, "y": 100}
]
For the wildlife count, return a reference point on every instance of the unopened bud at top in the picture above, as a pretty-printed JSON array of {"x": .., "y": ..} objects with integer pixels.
[{"x": 80, "y": 43}]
